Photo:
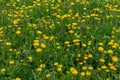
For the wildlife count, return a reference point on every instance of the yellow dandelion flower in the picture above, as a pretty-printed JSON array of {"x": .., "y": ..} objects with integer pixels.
[
  {"x": 99, "y": 69},
  {"x": 58, "y": 47},
  {"x": 85, "y": 57},
  {"x": 77, "y": 0},
  {"x": 67, "y": 72},
  {"x": 83, "y": 20},
  {"x": 115, "y": 59},
  {"x": 110, "y": 51},
  {"x": 18, "y": 0},
  {"x": 59, "y": 69},
  {"x": 88, "y": 26},
  {"x": 113, "y": 68},
  {"x": 11, "y": 62},
  {"x": 36, "y": 44},
  {"x": 100, "y": 48},
  {"x": 57, "y": 43},
  {"x": 72, "y": 3},
  {"x": 59, "y": 1},
  {"x": 1, "y": 28},
  {"x": 110, "y": 43},
  {"x": 81, "y": 63},
  {"x": 17, "y": 78},
  {"x": 84, "y": 8},
  {"x": 90, "y": 68},
  {"x": 71, "y": 31},
  {"x": 82, "y": 73},
  {"x": 10, "y": 49},
  {"x": 21, "y": 60},
  {"x": 90, "y": 56},
  {"x": 43, "y": 45},
  {"x": 47, "y": 75},
  {"x": 84, "y": 61},
  {"x": 39, "y": 50},
  {"x": 105, "y": 52},
  {"x": 39, "y": 69},
  {"x": 3, "y": 70},
  {"x": 68, "y": 45},
  {"x": 8, "y": 43},
  {"x": 42, "y": 65},
  {"x": 73, "y": 70},
  {"x": 36, "y": 41},
  {"x": 102, "y": 60},
  {"x": 88, "y": 73},
  {"x": 101, "y": 44},
  {"x": 110, "y": 64},
  {"x": 1, "y": 40},
  {"x": 89, "y": 43},
  {"x": 103, "y": 67},
  {"x": 67, "y": 42},
  {"x": 78, "y": 55},
  {"x": 77, "y": 44},
  {"x": 76, "y": 40},
  {"x": 17, "y": 52},
  {"x": 30, "y": 58},
  {"x": 60, "y": 65},
  {"x": 84, "y": 45},
  {"x": 15, "y": 22},
  {"x": 107, "y": 70},
  {"x": 45, "y": 37},
  {"x": 56, "y": 63},
  {"x": 18, "y": 32},
  {"x": 108, "y": 79},
  {"x": 39, "y": 32},
  {"x": 84, "y": 67}
]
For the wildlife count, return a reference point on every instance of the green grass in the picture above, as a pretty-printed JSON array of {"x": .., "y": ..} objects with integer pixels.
[{"x": 59, "y": 40}]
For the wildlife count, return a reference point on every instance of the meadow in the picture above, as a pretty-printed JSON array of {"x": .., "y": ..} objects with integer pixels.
[{"x": 59, "y": 39}]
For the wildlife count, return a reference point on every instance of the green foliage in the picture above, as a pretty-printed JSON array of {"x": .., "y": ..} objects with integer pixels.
[{"x": 59, "y": 40}]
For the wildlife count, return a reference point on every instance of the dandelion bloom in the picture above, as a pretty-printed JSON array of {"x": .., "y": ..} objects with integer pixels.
[
  {"x": 88, "y": 73},
  {"x": 8, "y": 43},
  {"x": 47, "y": 75},
  {"x": 115, "y": 59},
  {"x": 100, "y": 48},
  {"x": 82, "y": 73},
  {"x": 39, "y": 50},
  {"x": 59, "y": 69},
  {"x": 11, "y": 62},
  {"x": 73, "y": 70},
  {"x": 43, "y": 45},
  {"x": 18, "y": 32},
  {"x": 17, "y": 78}
]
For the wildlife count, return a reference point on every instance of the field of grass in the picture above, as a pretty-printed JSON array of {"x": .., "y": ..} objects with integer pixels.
[{"x": 59, "y": 39}]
